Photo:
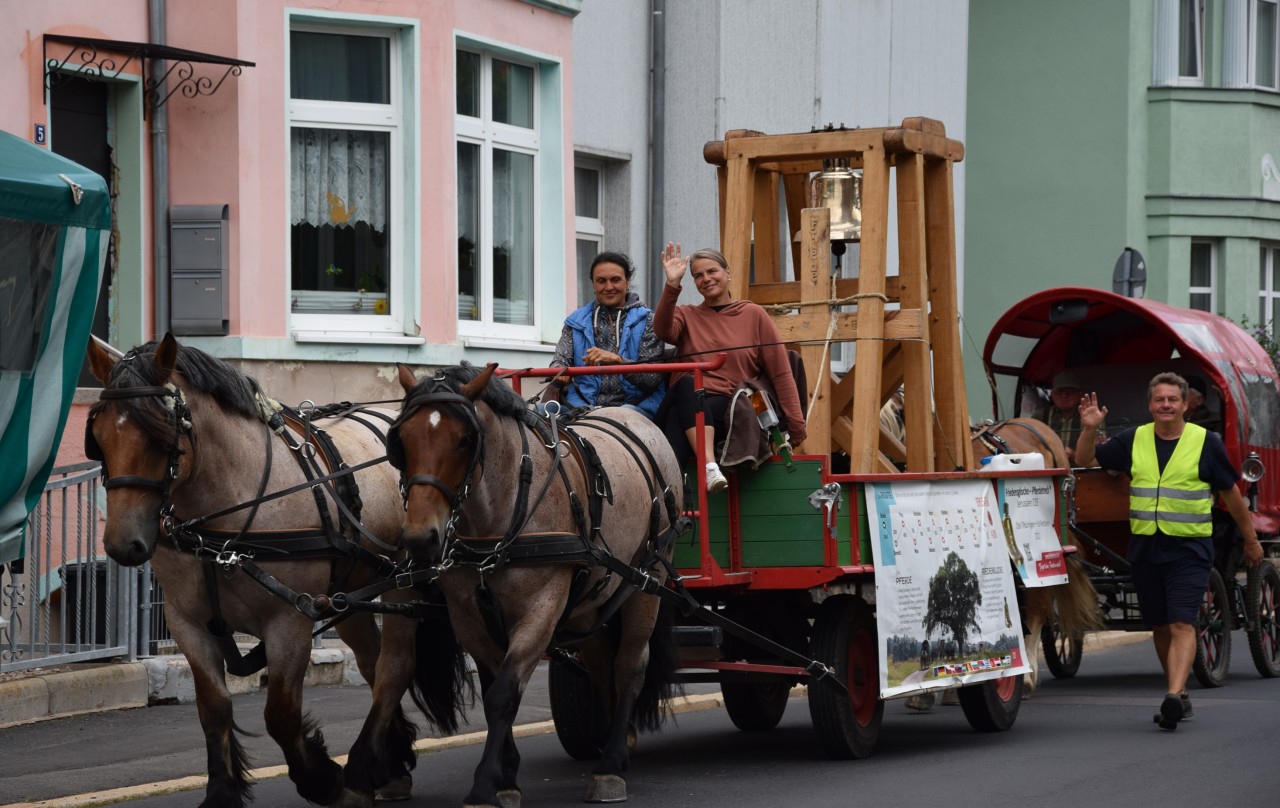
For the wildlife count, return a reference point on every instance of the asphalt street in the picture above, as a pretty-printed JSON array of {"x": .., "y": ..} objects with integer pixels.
[{"x": 1087, "y": 740}]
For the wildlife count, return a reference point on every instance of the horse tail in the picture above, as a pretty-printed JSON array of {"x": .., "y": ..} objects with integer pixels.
[
  {"x": 659, "y": 673},
  {"x": 441, "y": 686},
  {"x": 1077, "y": 602}
]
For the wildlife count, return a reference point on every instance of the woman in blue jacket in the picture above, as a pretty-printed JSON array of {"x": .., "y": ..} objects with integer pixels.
[{"x": 614, "y": 329}]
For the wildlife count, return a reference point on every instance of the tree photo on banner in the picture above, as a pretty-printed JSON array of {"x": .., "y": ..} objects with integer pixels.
[{"x": 946, "y": 607}]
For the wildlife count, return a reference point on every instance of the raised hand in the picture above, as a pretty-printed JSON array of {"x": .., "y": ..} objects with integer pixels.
[
  {"x": 1091, "y": 415},
  {"x": 673, "y": 264}
]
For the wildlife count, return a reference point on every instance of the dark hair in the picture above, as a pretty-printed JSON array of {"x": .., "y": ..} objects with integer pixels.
[
  {"x": 1168, "y": 378},
  {"x": 1197, "y": 383},
  {"x": 612, "y": 258}
]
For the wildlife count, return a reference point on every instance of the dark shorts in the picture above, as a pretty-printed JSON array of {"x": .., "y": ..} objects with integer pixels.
[{"x": 1170, "y": 576}]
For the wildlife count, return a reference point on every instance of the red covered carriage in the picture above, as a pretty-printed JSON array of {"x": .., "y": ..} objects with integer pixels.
[{"x": 1114, "y": 345}]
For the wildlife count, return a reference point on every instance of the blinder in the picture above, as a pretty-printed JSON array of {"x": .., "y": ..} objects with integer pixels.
[
  {"x": 173, "y": 401},
  {"x": 437, "y": 393}
]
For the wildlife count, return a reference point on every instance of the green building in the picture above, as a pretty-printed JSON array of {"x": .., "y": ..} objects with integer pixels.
[{"x": 1097, "y": 125}]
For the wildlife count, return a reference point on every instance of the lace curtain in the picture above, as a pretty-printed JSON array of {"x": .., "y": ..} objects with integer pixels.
[{"x": 339, "y": 177}]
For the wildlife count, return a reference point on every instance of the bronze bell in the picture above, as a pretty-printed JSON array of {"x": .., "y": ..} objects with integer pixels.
[{"x": 838, "y": 188}]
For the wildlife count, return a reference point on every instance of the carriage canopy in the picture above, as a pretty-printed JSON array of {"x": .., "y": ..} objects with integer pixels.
[
  {"x": 55, "y": 220},
  {"x": 1116, "y": 344}
]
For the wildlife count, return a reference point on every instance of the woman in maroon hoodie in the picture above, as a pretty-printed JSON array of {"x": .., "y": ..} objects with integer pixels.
[{"x": 739, "y": 328}]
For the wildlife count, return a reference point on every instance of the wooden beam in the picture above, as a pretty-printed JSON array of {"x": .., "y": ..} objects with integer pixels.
[
  {"x": 865, "y": 413},
  {"x": 736, "y": 244},
  {"x": 913, "y": 280},
  {"x": 770, "y": 294},
  {"x": 811, "y": 323},
  {"x": 766, "y": 225},
  {"x": 814, "y": 277},
  {"x": 944, "y": 325},
  {"x": 796, "y": 193}
]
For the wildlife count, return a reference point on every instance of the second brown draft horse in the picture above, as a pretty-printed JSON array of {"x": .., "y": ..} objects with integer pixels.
[{"x": 1073, "y": 606}]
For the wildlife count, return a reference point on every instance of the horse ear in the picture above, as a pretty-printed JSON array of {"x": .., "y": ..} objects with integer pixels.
[
  {"x": 476, "y": 386},
  {"x": 407, "y": 380},
  {"x": 101, "y": 360},
  {"x": 166, "y": 357}
]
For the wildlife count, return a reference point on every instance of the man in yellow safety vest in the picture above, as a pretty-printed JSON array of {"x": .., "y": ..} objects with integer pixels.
[{"x": 1174, "y": 469}]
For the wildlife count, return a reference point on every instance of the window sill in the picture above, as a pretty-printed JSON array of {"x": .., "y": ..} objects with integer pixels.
[
  {"x": 356, "y": 338},
  {"x": 507, "y": 345}
]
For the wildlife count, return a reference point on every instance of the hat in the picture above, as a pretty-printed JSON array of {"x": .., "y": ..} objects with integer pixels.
[
  {"x": 1067, "y": 379},
  {"x": 1198, "y": 384}
]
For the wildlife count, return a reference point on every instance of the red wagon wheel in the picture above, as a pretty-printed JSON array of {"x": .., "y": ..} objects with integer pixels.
[
  {"x": 844, "y": 637},
  {"x": 1213, "y": 634},
  {"x": 1262, "y": 596}
]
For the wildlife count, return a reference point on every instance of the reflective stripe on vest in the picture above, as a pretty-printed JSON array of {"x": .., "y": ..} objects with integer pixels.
[{"x": 1176, "y": 501}]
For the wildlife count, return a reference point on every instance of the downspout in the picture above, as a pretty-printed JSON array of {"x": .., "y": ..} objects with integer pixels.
[
  {"x": 657, "y": 146},
  {"x": 159, "y": 175}
]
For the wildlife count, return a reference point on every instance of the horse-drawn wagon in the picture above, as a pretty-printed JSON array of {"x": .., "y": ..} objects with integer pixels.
[
  {"x": 838, "y": 567},
  {"x": 1113, "y": 345}
]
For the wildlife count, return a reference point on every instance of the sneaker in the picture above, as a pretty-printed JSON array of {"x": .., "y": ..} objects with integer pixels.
[
  {"x": 1170, "y": 712},
  {"x": 716, "y": 481},
  {"x": 1187, "y": 712}
]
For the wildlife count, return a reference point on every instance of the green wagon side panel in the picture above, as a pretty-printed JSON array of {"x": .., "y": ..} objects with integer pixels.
[{"x": 778, "y": 526}]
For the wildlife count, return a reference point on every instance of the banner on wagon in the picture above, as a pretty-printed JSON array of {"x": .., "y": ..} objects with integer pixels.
[
  {"x": 1029, "y": 507},
  {"x": 946, "y": 608}
]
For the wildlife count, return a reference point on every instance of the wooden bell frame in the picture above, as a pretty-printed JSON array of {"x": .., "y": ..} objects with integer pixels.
[{"x": 917, "y": 345}]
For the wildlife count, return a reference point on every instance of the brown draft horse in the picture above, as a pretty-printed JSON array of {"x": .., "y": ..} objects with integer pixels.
[
  {"x": 1073, "y": 606},
  {"x": 184, "y": 436},
  {"x": 539, "y": 532}
]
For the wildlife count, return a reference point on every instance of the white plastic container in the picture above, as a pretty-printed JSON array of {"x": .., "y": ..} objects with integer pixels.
[{"x": 1031, "y": 461}]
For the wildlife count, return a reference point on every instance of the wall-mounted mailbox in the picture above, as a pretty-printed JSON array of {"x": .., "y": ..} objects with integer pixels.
[{"x": 199, "y": 301}]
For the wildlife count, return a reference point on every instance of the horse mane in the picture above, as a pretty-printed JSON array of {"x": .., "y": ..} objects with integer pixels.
[
  {"x": 232, "y": 389},
  {"x": 501, "y": 398}
]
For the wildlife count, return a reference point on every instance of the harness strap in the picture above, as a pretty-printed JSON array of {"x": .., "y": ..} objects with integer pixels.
[{"x": 237, "y": 664}]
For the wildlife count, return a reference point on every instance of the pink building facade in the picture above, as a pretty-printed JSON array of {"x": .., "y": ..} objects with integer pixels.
[{"x": 317, "y": 190}]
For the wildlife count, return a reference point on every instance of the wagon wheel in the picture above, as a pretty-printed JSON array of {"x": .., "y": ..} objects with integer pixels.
[
  {"x": 576, "y": 710},
  {"x": 992, "y": 706},
  {"x": 757, "y": 706},
  {"x": 1213, "y": 634},
  {"x": 1062, "y": 653},
  {"x": 1261, "y": 598},
  {"x": 844, "y": 637}
]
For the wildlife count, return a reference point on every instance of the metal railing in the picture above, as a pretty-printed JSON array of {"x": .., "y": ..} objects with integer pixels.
[{"x": 64, "y": 602}]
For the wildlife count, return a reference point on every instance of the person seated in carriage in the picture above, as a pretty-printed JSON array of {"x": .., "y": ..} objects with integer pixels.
[
  {"x": 614, "y": 329},
  {"x": 1062, "y": 413},
  {"x": 1198, "y": 411},
  {"x": 739, "y": 328}
]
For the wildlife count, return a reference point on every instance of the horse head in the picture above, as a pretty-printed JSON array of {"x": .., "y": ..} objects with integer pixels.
[
  {"x": 137, "y": 429},
  {"x": 437, "y": 443}
]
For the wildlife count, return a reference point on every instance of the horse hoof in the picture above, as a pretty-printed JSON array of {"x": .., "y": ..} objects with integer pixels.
[
  {"x": 509, "y": 797},
  {"x": 353, "y": 799},
  {"x": 922, "y": 702},
  {"x": 398, "y": 790},
  {"x": 606, "y": 788}
]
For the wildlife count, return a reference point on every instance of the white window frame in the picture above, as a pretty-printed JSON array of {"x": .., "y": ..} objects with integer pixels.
[
  {"x": 1273, "y": 83},
  {"x": 488, "y": 135},
  {"x": 389, "y": 118},
  {"x": 1268, "y": 293},
  {"x": 1167, "y": 67},
  {"x": 587, "y": 228},
  {"x": 1212, "y": 289}
]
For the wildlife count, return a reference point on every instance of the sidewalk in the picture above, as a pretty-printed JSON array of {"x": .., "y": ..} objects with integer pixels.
[
  {"x": 65, "y": 690},
  {"x": 55, "y": 692}
]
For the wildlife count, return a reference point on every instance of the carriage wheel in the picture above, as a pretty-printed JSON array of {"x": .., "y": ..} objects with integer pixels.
[
  {"x": 755, "y": 706},
  {"x": 1213, "y": 634},
  {"x": 844, "y": 637},
  {"x": 575, "y": 710},
  {"x": 1062, "y": 653},
  {"x": 992, "y": 706},
  {"x": 758, "y": 706},
  {"x": 1261, "y": 598}
]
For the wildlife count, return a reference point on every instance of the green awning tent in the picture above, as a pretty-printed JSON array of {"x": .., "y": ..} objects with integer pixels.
[{"x": 55, "y": 223}]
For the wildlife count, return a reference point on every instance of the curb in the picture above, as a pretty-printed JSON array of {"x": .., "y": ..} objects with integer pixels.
[{"x": 68, "y": 690}]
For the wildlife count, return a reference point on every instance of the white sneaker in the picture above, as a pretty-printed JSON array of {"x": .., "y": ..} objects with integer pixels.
[{"x": 716, "y": 481}]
